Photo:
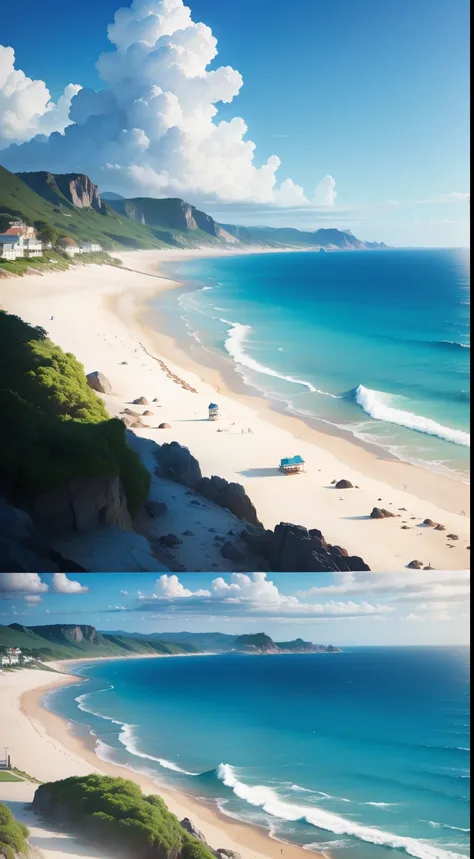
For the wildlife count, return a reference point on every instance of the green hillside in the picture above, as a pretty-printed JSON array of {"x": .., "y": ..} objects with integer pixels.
[
  {"x": 69, "y": 641},
  {"x": 18, "y": 199}
]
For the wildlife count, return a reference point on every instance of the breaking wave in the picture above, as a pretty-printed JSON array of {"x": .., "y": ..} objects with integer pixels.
[
  {"x": 373, "y": 403},
  {"x": 269, "y": 800},
  {"x": 128, "y": 740},
  {"x": 234, "y": 345}
]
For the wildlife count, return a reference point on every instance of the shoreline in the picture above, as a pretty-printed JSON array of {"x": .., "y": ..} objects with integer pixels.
[
  {"x": 58, "y": 744},
  {"x": 112, "y": 322}
]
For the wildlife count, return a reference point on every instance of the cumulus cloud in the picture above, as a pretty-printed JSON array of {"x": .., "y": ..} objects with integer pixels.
[
  {"x": 154, "y": 128},
  {"x": 21, "y": 583},
  {"x": 252, "y": 595},
  {"x": 62, "y": 585},
  {"x": 26, "y": 106}
]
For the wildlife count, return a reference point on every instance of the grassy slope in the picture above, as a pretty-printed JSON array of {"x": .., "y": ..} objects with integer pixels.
[
  {"x": 51, "y": 644},
  {"x": 111, "y": 230}
]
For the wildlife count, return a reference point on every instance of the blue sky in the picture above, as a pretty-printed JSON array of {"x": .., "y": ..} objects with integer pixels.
[
  {"x": 373, "y": 96},
  {"x": 330, "y": 608}
]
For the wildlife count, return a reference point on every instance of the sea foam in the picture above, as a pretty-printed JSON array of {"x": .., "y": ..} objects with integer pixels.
[
  {"x": 375, "y": 404},
  {"x": 268, "y": 799},
  {"x": 234, "y": 345}
]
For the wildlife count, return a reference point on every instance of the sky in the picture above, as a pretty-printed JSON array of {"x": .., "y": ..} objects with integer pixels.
[
  {"x": 405, "y": 608},
  {"x": 307, "y": 114}
]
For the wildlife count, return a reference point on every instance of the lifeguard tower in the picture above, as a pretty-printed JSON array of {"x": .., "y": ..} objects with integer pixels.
[
  {"x": 213, "y": 411},
  {"x": 292, "y": 465}
]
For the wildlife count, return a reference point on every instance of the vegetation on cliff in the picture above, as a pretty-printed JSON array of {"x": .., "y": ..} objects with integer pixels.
[
  {"x": 13, "y": 835},
  {"x": 54, "y": 427},
  {"x": 114, "y": 813},
  {"x": 72, "y": 641}
]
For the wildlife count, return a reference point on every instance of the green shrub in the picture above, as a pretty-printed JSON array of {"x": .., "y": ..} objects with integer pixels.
[
  {"x": 13, "y": 835},
  {"x": 54, "y": 427},
  {"x": 114, "y": 812}
]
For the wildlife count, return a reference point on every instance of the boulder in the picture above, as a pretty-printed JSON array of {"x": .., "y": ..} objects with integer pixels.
[
  {"x": 81, "y": 504},
  {"x": 140, "y": 401},
  {"x": 344, "y": 484},
  {"x": 429, "y": 523},
  {"x": 230, "y": 495},
  {"x": 440, "y": 527},
  {"x": 164, "y": 426},
  {"x": 98, "y": 382},
  {"x": 147, "y": 413},
  {"x": 227, "y": 854},
  {"x": 381, "y": 513},
  {"x": 156, "y": 509},
  {"x": 170, "y": 540},
  {"x": 453, "y": 537},
  {"x": 189, "y": 826},
  {"x": 415, "y": 565},
  {"x": 233, "y": 553},
  {"x": 292, "y": 548},
  {"x": 177, "y": 463}
]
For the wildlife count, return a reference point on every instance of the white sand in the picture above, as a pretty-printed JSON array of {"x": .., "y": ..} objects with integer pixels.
[
  {"x": 98, "y": 315},
  {"x": 42, "y": 745}
]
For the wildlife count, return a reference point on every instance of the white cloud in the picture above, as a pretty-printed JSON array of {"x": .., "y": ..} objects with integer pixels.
[
  {"x": 62, "y": 585},
  {"x": 124, "y": 593},
  {"x": 171, "y": 588},
  {"x": 32, "y": 599},
  {"x": 404, "y": 586},
  {"x": 26, "y": 107},
  {"x": 450, "y": 197},
  {"x": 155, "y": 127},
  {"x": 253, "y": 595},
  {"x": 21, "y": 583}
]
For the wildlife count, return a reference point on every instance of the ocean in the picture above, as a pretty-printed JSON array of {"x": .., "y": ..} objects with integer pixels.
[
  {"x": 357, "y": 754},
  {"x": 372, "y": 342}
]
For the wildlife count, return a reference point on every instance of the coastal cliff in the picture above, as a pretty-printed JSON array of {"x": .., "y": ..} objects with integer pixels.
[{"x": 74, "y": 188}]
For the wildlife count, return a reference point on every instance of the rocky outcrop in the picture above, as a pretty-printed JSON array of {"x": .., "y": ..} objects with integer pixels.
[
  {"x": 381, "y": 513},
  {"x": 292, "y": 548},
  {"x": 230, "y": 495},
  {"x": 73, "y": 188},
  {"x": 344, "y": 484},
  {"x": 177, "y": 463},
  {"x": 81, "y": 504},
  {"x": 24, "y": 550},
  {"x": 189, "y": 826},
  {"x": 98, "y": 382},
  {"x": 167, "y": 214}
]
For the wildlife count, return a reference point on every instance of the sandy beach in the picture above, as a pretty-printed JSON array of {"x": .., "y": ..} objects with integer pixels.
[
  {"x": 44, "y": 746},
  {"x": 102, "y": 315}
]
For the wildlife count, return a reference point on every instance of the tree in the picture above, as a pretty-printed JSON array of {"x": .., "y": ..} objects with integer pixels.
[{"x": 47, "y": 234}]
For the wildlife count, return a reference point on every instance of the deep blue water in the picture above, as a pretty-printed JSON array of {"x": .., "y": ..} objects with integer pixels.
[
  {"x": 374, "y": 342},
  {"x": 361, "y": 754}
]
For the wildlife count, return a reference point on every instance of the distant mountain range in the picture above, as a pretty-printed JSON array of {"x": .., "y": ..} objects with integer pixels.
[
  {"x": 72, "y": 205},
  {"x": 72, "y": 641}
]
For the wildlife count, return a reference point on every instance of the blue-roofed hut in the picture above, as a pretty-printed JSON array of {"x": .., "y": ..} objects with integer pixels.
[
  {"x": 292, "y": 464},
  {"x": 213, "y": 411}
]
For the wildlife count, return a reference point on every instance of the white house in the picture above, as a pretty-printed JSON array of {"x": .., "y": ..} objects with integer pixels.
[
  {"x": 20, "y": 241},
  {"x": 89, "y": 247},
  {"x": 11, "y": 246}
]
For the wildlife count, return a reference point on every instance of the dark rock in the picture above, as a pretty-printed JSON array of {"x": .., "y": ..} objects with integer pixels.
[
  {"x": 333, "y": 482},
  {"x": 453, "y": 537},
  {"x": 155, "y": 400},
  {"x": 156, "y": 509},
  {"x": 170, "y": 540},
  {"x": 381, "y": 513},
  {"x": 429, "y": 523},
  {"x": 124, "y": 362},
  {"x": 140, "y": 401},
  {"x": 406, "y": 528},
  {"x": 233, "y": 553},
  {"x": 164, "y": 426},
  {"x": 147, "y": 413},
  {"x": 98, "y": 382},
  {"x": 229, "y": 495},
  {"x": 131, "y": 413},
  {"x": 344, "y": 484},
  {"x": 177, "y": 463},
  {"x": 81, "y": 504},
  {"x": 189, "y": 826},
  {"x": 227, "y": 854},
  {"x": 440, "y": 527},
  {"x": 415, "y": 565}
]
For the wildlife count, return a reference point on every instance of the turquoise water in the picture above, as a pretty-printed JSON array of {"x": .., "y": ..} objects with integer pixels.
[
  {"x": 360, "y": 754},
  {"x": 374, "y": 342}
]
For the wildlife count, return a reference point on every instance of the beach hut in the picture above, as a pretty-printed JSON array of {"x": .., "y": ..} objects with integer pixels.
[
  {"x": 213, "y": 411},
  {"x": 292, "y": 464}
]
